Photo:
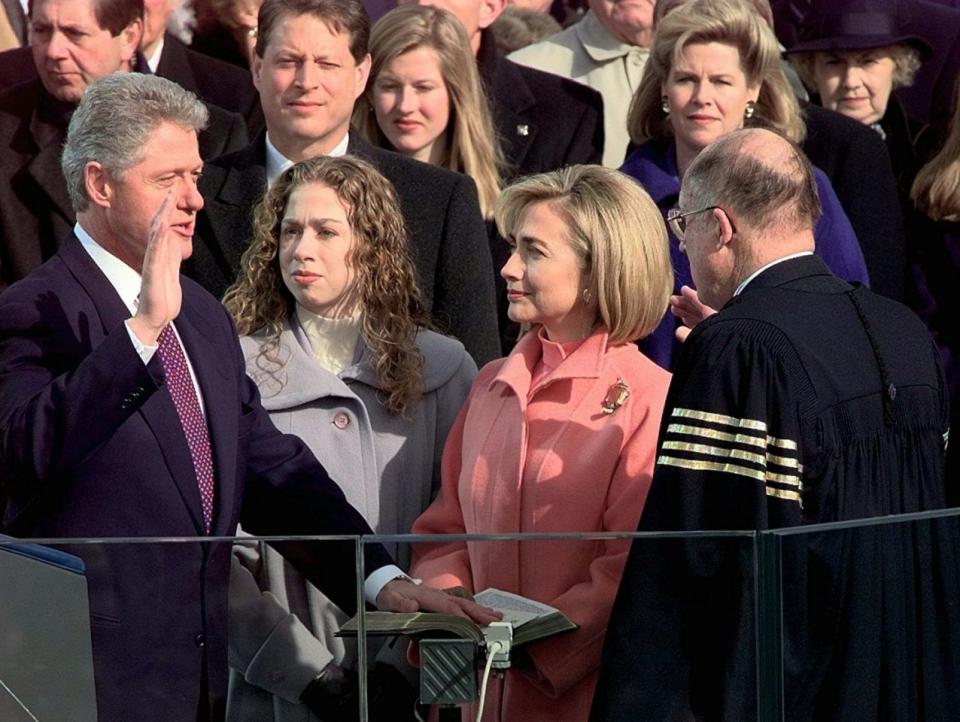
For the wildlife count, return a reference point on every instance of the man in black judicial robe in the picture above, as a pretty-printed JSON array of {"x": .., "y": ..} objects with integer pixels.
[{"x": 804, "y": 400}]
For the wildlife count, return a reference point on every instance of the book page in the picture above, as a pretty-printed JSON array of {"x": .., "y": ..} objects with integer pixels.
[{"x": 515, "y": 609}]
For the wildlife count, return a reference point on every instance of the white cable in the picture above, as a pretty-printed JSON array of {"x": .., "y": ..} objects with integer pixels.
[
  {"x": 492, "y": 651},
  {"x": 17, "y": 700}
]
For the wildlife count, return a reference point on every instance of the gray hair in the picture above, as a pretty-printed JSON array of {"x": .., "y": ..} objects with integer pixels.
[
  {"x": 728, "y": 175},
  {"x": 906, "y": 62},
  {"x": 114, "y": 120}
]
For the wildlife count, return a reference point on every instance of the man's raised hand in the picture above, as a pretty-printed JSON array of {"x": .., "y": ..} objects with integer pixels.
[{"x": 160, "y": 293}]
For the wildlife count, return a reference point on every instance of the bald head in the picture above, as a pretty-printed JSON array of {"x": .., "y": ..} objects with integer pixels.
[
  {"x": 759, "y": 177},
  {"x": 761, "y": 195}
]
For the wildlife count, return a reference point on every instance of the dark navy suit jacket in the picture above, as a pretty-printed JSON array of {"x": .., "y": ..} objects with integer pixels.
[{"x": 91, "y": 446}]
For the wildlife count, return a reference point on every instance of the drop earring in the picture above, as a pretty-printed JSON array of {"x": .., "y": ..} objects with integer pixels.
[
  {"x": 665, "y": 105},
  {"x": 749, "y": 110}
]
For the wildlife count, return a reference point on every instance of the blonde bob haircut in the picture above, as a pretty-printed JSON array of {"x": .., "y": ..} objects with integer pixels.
[
  {"x": 391, "y": 305},
  {"x": 618, "y": 234},
  {"x": 936, "y": 190},
  {"x": 472, "y": 146},
  {"x": 730, "y": 22}
]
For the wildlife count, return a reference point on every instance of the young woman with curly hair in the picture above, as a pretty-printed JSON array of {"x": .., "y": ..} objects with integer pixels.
[{"x": 334, "y": 332}]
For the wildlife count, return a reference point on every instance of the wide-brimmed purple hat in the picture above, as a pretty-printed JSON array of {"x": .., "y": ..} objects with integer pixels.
[{"x": 857, "y": 25}]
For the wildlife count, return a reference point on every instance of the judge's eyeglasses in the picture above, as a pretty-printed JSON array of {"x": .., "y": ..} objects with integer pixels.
[{"x": 677, "y": 219}]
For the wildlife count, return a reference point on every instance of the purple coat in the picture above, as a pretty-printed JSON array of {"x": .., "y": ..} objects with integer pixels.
[{"x": 654, "y": 165}]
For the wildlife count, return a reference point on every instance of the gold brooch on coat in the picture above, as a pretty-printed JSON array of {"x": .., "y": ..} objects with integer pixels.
[{"x": 616, "y": 396}]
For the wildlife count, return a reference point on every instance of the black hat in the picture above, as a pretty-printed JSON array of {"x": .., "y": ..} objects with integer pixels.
[{"x": 857, "y": 25}]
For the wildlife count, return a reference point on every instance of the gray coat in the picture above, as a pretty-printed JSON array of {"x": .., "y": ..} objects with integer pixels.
[{"x": 281, "y": 627}]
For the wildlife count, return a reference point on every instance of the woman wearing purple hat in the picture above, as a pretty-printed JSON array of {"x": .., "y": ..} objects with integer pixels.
[{"x": 852, "y": 56}]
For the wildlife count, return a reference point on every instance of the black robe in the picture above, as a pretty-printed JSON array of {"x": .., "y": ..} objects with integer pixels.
[{"x": 805, "y": 400}]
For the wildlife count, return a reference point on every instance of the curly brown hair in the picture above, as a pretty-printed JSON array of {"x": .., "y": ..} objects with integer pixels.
[{"x": 392, "y": 308}]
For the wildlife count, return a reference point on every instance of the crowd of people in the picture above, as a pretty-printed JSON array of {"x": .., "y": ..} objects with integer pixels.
[{"x": 680, "y": 266}]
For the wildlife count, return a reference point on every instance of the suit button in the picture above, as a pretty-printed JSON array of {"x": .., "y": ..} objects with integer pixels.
[
  {"x": 341, "y": 420},
  {"x": 200, "y": 640}
]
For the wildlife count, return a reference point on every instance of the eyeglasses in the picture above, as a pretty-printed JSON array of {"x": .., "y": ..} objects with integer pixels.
[{"x": 678, "y": 224}]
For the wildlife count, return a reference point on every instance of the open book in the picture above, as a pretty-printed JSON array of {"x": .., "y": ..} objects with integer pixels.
[{"x": 531, "y": 620}]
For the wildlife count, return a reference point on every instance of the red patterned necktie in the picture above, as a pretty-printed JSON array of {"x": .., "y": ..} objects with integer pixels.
[{"x": 184, "y": 396}]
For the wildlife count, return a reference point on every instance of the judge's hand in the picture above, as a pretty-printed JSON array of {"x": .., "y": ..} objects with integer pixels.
[
  {"x": 402, "y": 595},
  {"x": 160, "y": 293},
  {"x": 690, "y": 310}
]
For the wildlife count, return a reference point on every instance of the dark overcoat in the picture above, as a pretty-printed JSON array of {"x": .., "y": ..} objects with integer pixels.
[{"x": 35, "y": 210}]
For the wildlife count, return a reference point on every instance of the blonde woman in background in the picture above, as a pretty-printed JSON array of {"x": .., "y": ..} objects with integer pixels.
[
  {"x": 714, "y": 68},
  {"x": 333, "y": 329},
  {"x": 425, "y": 98}
]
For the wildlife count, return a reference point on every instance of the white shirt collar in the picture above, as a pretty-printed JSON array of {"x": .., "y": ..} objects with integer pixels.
[
  {"x": 277, "y": 162},
  {"x": 124, "y": 279},
  {"x": 153, "y": 62},
  {"x": 760, "y": 270}
]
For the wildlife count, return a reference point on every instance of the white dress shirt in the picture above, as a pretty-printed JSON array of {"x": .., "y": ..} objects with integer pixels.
[
  {"x": 153, "y": 62},
  {"x": 277, "y": 162},
  {"x": 760, "y": 270}
]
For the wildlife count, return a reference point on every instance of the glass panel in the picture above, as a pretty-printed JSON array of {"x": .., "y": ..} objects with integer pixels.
[
  {"x": 682, "y": 623},
  {"x": 869, "y": 619},
  {"x": 141, "y": 623},
  {"x": 143, "y": 629}
]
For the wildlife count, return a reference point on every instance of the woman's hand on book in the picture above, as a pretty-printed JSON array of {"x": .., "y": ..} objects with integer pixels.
[{"x": 402, "y": 595}]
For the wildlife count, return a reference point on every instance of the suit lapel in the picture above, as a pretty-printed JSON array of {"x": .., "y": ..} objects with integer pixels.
[
  {"x": 158, "y": 412},
  {"x": 358, "y": 146},
  {"x": 246, "y": 178},
  {"x": 229, "y": 211},
  {"x": 174, "y": 65},
  {"x": 512, "y": 100},
  {"x": 44, "y": 167},
  {"x": 110, "y": 308}
]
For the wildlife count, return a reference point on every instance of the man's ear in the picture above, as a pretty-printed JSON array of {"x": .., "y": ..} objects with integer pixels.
[
  {"x": 489, "y": 11},
  {"x": 256, "y": 67},
  {"x": 725, "y": 227},
  {"x": 98, "y": 184},
  {"x": 130, "y": 40},
  {"x": 363, "y": 73}
]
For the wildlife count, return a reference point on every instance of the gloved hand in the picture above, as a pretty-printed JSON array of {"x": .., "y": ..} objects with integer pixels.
[{"x": 334, "y": 696}]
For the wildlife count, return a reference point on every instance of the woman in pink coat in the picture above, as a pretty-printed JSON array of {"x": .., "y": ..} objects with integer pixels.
[{"x": 560, "y": 435}]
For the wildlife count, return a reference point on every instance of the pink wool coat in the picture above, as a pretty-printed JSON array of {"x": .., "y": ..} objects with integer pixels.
[{"x": 589, "y": 472}]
